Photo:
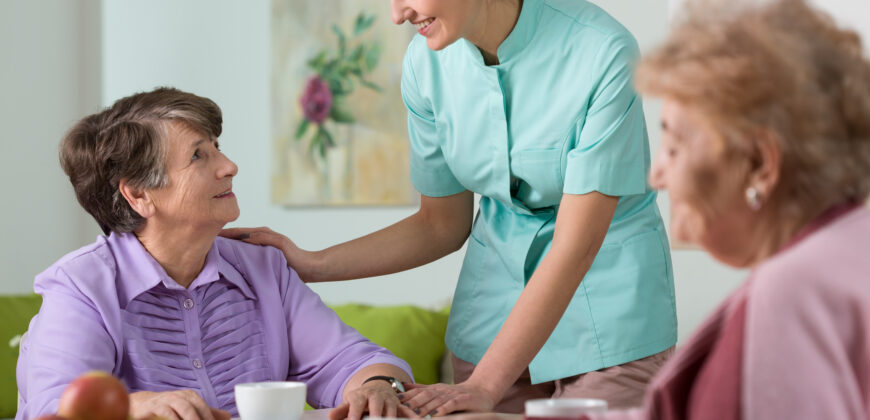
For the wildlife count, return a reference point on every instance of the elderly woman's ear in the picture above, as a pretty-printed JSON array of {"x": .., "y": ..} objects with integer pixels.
[
  {"x": 765, "y": 169},
  {"x": 138, "y": 199}
]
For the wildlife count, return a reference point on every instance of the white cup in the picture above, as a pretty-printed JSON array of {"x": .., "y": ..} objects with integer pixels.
[
  {"x": 270, "y": 400},
  {"x": 564, "y": 408}
]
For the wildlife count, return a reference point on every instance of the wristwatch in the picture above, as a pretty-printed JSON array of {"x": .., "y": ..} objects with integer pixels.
[{"x": 394, "y": 383}]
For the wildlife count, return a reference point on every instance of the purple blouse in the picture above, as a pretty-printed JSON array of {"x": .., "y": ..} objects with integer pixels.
[{"x": 247, "y": 317}]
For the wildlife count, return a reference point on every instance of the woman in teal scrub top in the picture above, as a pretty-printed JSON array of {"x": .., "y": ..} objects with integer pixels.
[{"x": 566, "y": 288}]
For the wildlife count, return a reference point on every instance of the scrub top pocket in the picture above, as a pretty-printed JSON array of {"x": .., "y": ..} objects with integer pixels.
[{"x": 537, "y": 177}]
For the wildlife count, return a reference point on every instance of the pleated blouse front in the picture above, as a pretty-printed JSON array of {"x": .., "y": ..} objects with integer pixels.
[{"x": 210, "y": 336}]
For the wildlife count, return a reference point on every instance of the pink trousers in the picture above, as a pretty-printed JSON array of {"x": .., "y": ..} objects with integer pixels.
[{"x": 622, "y": 386}]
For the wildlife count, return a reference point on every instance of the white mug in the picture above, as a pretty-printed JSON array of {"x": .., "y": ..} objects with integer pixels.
[
  {"x": 270, "y": 400},
  {"x": 564, "y": 408}
]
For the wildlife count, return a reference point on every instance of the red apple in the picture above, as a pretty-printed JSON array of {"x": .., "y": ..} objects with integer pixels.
[{"x": 94, "y": 396}]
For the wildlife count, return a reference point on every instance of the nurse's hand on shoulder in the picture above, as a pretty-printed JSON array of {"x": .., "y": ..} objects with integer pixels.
[
  {"x": 296, "y": 257},
  {"x": 442, "y": 399}
]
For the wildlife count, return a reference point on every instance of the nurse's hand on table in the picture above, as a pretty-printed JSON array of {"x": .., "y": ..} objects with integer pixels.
[
  {"x": 296, "y": 257},
  {"x": 376, "y": 398},
  {"x": 184, "y": 404},
  {"x": 442, "y": 399}
]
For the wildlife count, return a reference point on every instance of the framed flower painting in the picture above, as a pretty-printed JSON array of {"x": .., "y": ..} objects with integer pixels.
[{"x": 338, "y": 122}]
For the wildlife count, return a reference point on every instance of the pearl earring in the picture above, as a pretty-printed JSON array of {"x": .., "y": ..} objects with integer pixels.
[{"x": 753, "y": 198}]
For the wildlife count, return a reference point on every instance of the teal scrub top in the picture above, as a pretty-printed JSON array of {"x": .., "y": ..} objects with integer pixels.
[{"x": 559, "y": 114}]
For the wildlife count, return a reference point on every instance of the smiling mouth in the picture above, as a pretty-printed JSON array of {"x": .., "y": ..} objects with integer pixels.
[{"x": 424, "y": 24}]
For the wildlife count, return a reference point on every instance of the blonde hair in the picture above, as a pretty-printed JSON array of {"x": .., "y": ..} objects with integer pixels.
[{"x": 783, "y": 68}]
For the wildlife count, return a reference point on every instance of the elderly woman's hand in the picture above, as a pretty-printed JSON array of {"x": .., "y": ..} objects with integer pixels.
[
  {"x": 184, "y": 404},
  {"x": 376, "y": 397},
  {"x": 442, "y": 399}
]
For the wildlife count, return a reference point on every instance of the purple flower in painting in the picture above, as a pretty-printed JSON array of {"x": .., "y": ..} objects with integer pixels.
[{"x": 316, "y": 100}]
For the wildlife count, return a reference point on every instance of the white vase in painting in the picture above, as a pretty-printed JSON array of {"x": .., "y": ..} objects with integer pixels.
[{"x": 338, "y": 166}]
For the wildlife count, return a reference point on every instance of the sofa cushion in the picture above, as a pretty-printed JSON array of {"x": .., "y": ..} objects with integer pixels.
[
  {"x": 15, "y": 311},
  {"x": 413, "y": 334}
]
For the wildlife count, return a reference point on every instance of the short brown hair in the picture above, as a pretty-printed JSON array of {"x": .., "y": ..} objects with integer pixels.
[
  {"x": 128, "y": 141},
  {"x": 783, "y": 67}
]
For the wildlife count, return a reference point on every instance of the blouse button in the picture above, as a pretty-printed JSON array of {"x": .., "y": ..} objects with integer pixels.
[
  {"x": 188, "y": 304},
  {"x": 197, "y": 363}
]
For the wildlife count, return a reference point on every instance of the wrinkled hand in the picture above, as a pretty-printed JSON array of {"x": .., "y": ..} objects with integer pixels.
[
  {"x": 184, "y": 404},
  {"x": 441, "y": 399},
  {"x": 376, "y": 397}
]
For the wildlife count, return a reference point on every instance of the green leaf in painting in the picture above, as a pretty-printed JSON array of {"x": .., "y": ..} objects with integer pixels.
[
  {"x": 318, "y": 61},
  {"x": 371, "y": 85},
  {"x": 340, "y": 114},
  {"x": 303, "y": 127},
  {"x": 372, "y": 56},
  {"x": 315, "y": 142},
  {"x": 357, "y": 53},
  {"x": 342, "y": 41},
  {"x": 328, "y": 140},
  {"x": 363, "y": 22}
]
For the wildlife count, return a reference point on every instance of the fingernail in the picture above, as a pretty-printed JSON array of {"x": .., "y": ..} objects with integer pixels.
[
  {"x": 243, "y": 236},
  {"x": 432, "y": 413},
  {"x": 417, "y": 410},
  {"x": 400, "y": 397}
]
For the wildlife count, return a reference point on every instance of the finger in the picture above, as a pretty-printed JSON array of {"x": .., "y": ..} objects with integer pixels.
[
  {"x": 376, "y": 405},
  {"x": 235, "y": 233},
  {"x": 390, "y": 407},
  {"x": 268, "y": 237},
  {"x": 410, "y": 385},
  {"x": 407, "y": 412},
  {"x": 419, "y": 400},
  {"x": 220, "y": 414},
  {"x": 448, "y": 407},
  {"x": 431, "y": 407},
  {"x": 184, "y": 409},
  {"x": 340, "y": 412},
  {"x": 263, "y": 238},
  {"x": 461, "y": 402},
  {"x": 202, "y": 409},
  {"x": 408, "y": 394},
  {"x": 165, "y": 412},
  {"x": 355, "y": 411}
]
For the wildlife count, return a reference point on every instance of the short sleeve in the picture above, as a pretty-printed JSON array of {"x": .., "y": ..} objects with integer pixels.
[
  {"x": 429, "y": 171},
  {"x": 611, "y": 153}
]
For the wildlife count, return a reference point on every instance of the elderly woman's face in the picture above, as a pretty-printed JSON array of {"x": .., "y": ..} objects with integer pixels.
[
  {"x": 442, "y": 22},
  {"x": 199, "y": 193},
  {"x": 706, "y": 190}
]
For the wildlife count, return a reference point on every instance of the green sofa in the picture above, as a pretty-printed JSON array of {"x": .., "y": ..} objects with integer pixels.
[{"x": 411, "y": 333}]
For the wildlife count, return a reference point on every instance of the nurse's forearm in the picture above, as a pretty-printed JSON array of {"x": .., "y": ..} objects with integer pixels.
[
  {"x": 578, "y": 236},
  {"x": 529, "y": 325},
  {"x": 439, "y": 228}
]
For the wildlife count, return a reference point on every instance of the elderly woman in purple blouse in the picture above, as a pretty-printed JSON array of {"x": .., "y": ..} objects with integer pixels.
[{"x": 179, "y": 315}]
